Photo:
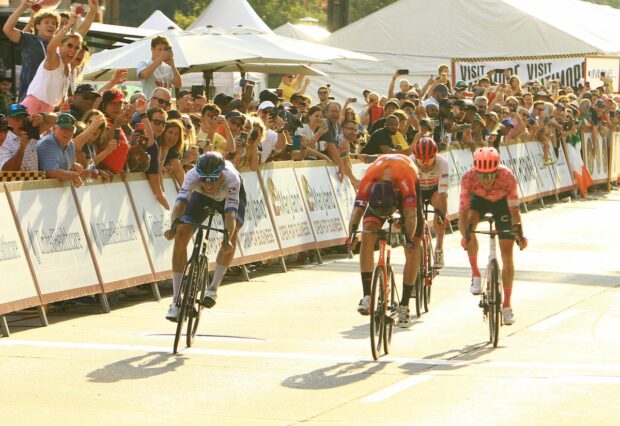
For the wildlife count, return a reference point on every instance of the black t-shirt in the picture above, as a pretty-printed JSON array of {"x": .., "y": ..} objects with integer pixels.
[
  {"x": 381, "y": 137},
  {"x": 379, "y": 124},
  {"x": 153, "y": 151}
]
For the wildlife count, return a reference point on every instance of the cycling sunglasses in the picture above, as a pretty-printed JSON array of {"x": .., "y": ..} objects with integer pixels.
[
  {"x": 428, "y": 162},
  {"x": 486, "y": 176},
  {"x": 209, "y": 179}
]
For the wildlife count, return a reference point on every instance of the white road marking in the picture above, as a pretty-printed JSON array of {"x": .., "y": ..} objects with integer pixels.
[
  {"x": 390, "y": 391},
  {"x": 593, "y": 366},
  {"x": 553, "y": 320}
]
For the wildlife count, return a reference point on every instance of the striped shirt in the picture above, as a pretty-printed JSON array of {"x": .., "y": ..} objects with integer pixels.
[
  {"x": 11, "y": 146},
  {"x": 53, "y": 156}
]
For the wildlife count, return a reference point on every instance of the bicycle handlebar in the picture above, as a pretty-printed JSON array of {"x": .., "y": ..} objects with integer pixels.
[{"x": 224, "y": 232}]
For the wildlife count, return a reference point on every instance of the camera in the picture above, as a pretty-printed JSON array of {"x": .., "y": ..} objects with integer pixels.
[
  {"x": 567, "y": 125},
  {"x": 33, "y": 132}
]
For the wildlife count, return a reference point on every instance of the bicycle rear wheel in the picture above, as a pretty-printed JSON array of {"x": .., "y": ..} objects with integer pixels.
[
  {"x": 428, "y": 272},
  {"x": 391, "y": 314},
  {"x": 200, "y": 283},
  {"x": 184, "y": 303},
  {"x": 377, "y": 313},
  {"x": 494, "y": 301}
]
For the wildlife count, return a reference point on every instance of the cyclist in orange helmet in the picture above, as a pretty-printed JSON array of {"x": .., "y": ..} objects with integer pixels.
[
  {"x": 390, "y": 184},
  {"x": 489, "y": 187}
]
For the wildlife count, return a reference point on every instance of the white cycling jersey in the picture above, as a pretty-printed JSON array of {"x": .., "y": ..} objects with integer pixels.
[
  {"x": 228, "y": 190},
  {"x": 438, "y": 176}
]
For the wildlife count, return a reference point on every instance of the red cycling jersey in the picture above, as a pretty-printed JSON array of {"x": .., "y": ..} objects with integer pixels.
[
  {"x": 504, "y": 186},
  {"x": 397, "y": 168}
]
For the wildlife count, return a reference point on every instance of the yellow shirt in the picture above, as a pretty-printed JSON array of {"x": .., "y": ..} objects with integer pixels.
[
  {"x": 218, "y": 143},
  {"x": 287, "y": 92},
  {"x": 399, "y": 140}
]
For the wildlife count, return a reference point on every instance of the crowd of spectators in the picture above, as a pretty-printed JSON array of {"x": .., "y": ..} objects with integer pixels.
[{"x": 73, "y": 130}]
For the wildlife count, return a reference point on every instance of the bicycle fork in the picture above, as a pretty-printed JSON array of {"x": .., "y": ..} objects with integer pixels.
[{"x": 485, "y": 295}]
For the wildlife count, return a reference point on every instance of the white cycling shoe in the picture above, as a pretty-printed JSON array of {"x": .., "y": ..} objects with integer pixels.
[
  {"x": 475, "y": 287},
  {"x": 508, "y": 316},
  {"x": 364, "y": 306},
  {"x": 173, "y": 313}
]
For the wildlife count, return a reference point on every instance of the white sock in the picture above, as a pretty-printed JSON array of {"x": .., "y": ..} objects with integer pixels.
[
  {"x": 177, "y": 277},
  {"x": 218, "y": 276}
]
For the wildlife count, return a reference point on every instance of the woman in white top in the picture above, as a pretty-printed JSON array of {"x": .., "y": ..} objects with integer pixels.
[{"x": 51, "y": 82}]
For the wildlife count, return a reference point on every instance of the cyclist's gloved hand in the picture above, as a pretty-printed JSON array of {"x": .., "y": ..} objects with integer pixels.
[
  {"x": 519, "y": 238},
  {"x": 521, "y": 242}
]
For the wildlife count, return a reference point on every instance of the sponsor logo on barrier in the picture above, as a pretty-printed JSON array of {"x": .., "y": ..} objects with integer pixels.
[
  {"x": 256, "y": 211},
  {"x": 53, "y": 240},
  {"x": 318, "y": 198},
  {"x": 9, "y": 250},
  {"x": 524, "y": 167},
  {"x": 111, "y": 233},
  {"x": 155, "y": 225},
  {"x": 284, "y": 203}
]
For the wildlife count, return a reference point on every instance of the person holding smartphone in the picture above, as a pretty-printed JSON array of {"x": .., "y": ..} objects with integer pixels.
[{"x": 160, "y": 70}]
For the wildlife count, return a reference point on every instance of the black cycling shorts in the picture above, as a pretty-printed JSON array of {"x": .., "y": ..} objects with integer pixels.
[
  {"x": 500, "y": 211},
  {"x": 427, "y": 194},
  {"x": 199, "y": 204}
]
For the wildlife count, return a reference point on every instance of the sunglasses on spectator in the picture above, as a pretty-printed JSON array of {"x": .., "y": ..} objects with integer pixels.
[
  {"x": 428, "y": 162},
  {"x": 162, "y": 101},
  {"x": 158, "y": 122},
  {"x": 486, "y": 176}
]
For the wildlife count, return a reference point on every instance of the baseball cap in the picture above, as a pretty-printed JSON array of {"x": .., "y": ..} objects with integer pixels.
[
  {"x": 442, "y": 88},
  {"x": 173, "y": 114},
  {"x": 600, "y": 103},
  {"x": 235, "y": 104},
  {"x": 392, "y": 103},
  {"x": 112, "y": 95},
  {"x": 222, "y": 99},
  {"x": 431, "y": 101},
  {"x": 461, "y": 85},
  {"x": 266, "y": 104},
  {"x": 4, "y": 124},
  {"x": 86, "y": 88},
  {"x": 267, "y": 95},
  {"x": 16, "y": 110},
  {"x": 507, "y": 122},
  {"x": 65, "y": 120},
  {"x": 233, "y": 114}
]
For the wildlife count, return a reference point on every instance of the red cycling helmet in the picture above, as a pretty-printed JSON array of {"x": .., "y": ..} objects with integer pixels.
[
  {"x": 425, "y": 149},
  {"x": 486, "y": 160}
]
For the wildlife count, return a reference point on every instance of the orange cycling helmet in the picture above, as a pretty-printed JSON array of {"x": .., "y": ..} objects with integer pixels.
[
  {"x": 425, "y": 149},
  {"x": 486, "y": 160}
]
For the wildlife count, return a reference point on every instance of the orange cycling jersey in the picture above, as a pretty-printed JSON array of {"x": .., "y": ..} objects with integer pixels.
[{"x": 397, "y": 168}]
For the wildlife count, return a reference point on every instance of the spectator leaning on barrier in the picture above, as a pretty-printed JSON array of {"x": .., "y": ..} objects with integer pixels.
[
  {"x": 117, "y": 115},
  {"x": 160, "y": 70},
  {"x": 18, "y": 152},
  {"x": 388, "y": 109},
  {"x": 56, "y": 152},
  {"x": 381, "y": 140},
  {"x": 208, "y": 137}
]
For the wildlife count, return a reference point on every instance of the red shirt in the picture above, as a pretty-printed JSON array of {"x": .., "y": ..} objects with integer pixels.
[
  {"x": 376, "y": 113},
  {"x": 402, "y": 173},
  {"x": 505, "y": 185},
  {"x": 115, "y": 162}
]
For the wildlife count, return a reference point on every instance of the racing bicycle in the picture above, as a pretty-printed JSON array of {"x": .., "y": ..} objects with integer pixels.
[
  {"x": 194, "y": 283},
  {"x": 427, "y": 271}
]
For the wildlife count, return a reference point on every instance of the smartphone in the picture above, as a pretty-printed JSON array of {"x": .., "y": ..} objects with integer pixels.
[
  {"x": 402, "y": 72},
  {"x": 296, "y": 142},
  {"x": 198, "y": 90},
  {"x": 353, "y": 100},
  {"x": 117, "y": 134},
  {"x": 248, "y": 93},
  {"x": 243, "y": 139},
  {"x": 279, "y": 93},
  {"x": 168, "y": 48}
]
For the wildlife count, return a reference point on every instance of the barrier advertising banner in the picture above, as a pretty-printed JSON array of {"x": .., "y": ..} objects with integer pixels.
[
  {"x": 615, "y": 156},
  {"x": 115, "y": 235},
  {"x": 320, "y": 201},
  {"x": 153, "y": 220},
  {"x": 567, "y": 70},
  {"x": 463, "y": 160},
  {"x": 454, "y": 184},
  {"x": 344, "y": 192},
  {"x": 595, "y": 156},
  {"x": 257, "y": 237},
  {"x": 525, "y": 169},
  {"x": 563, "y": 173},
  {"x": 18, "y": 289},
  {"x": 359, "y": 169},
  {"x": 546, "y": 174},
  {"x": 289, "y": 212},
  {"x": 50, "y": 223}
]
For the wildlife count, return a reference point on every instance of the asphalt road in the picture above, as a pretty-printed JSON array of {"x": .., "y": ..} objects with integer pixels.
[{"x": 290, "y": 348}]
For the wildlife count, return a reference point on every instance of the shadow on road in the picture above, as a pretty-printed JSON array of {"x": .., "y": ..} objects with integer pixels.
[
  {"x": 336, "y": 375},
  {"x": 138, "y": 367}
]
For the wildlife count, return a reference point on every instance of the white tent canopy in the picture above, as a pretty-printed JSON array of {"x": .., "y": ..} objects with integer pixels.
[
  {"x": 229, "y": 14},
  {"x": 432, "y": 32},
  {"x": 302, "y": 32},
  {"x": 159, "y": 21}
]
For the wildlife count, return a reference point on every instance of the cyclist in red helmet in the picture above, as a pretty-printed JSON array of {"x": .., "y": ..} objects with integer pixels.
[
  {"x": 434, "y": 172},
  {"x": 489, "y": 187},
  {"x": 390, "y": 184}
]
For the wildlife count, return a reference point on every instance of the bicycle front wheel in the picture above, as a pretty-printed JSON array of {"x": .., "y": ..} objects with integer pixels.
[
  {"x": 377, "y": 313},
  {"x": 391, "y": 314},
  {"x": 419, "y": 287},
  {"x": 428, "y": 272},
  {"x": 199, "y": 285},
  {"x": 184, "y": 303},
  {"x": 495, "y": 300}
]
